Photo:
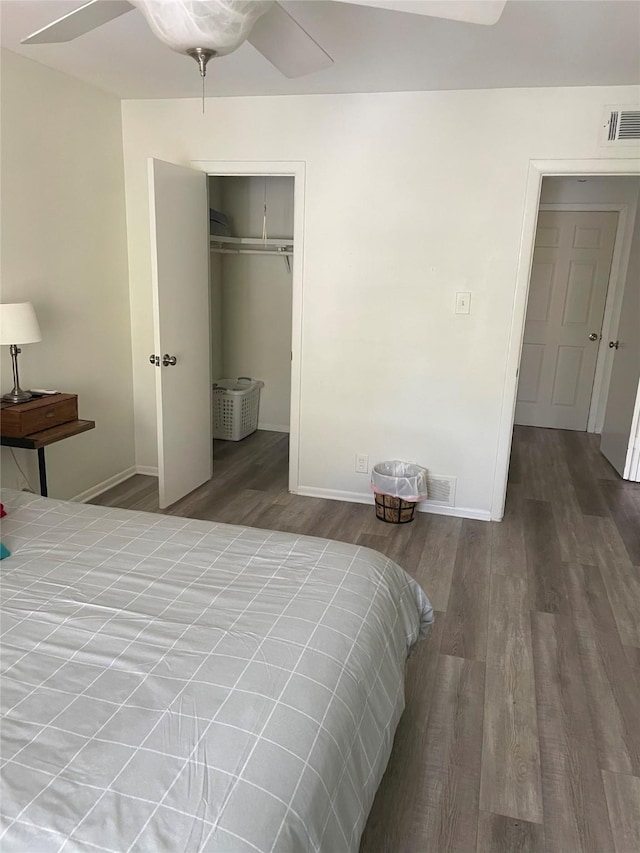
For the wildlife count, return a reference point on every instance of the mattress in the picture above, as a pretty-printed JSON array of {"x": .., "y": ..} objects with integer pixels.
[{"x": 179, "y": 685}]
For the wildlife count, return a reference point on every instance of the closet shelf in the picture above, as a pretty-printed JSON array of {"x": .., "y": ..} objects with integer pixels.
[{"x": 251, "y": 246}]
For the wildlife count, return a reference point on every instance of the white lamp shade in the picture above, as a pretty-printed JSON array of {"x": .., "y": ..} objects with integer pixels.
[{"x": 19, "y": 324}]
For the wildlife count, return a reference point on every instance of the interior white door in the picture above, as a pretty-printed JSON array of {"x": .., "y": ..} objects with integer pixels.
[
  {"x": 180, "y": 274},
  {"x": 619, "y": 433},
  {"x": 567, "y": 295}
]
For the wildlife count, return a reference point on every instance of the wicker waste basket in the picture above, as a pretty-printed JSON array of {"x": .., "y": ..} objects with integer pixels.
[
  {"x": 394, "y": 510},
  {"x": 398, "y": 486}
]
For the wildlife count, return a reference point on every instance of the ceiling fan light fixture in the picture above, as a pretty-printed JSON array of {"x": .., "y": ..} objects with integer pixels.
[{"x": 219, "y": 26}]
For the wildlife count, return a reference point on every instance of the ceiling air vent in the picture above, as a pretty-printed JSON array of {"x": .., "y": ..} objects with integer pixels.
[
  {"x": 442, "y": 490},
  {"x": 622, "y": 126}
]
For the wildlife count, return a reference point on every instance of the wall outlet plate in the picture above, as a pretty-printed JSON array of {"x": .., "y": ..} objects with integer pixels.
[{"x": 362, "y": 463}]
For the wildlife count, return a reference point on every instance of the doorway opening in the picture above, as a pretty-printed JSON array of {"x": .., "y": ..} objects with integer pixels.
[
  {"x": 181, "y": 245},
  {"x": 580, "y": 272},
  {"x": 572, "y": 281},
  {"x": 584, "y": 280},
  {"x": 252, "y": 251}
]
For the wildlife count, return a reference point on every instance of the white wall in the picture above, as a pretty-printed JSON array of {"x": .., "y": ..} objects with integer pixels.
[
  {"x": 256, "y": 330},
  {"x": 410, "y": 197},
  {"x": 215, "y": 306},
  {"x": 64, "y": 249},
  {"x": 215, "y": 289},
  {"x": 256, "y": 294},
  {"x": 243, "y": 200}
]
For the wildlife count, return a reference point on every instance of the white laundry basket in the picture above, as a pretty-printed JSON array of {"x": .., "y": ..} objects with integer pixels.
[{"x": 235, "y": 407}]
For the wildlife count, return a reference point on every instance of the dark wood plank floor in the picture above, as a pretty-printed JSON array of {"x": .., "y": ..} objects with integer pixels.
[{"x": 522, "y": 725}]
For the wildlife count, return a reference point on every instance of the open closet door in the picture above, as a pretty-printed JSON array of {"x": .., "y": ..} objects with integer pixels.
[
  {"x": 620, "y": 440},
  {"x": 620, "y": 431},
  {"x": 180, "y": 274}
]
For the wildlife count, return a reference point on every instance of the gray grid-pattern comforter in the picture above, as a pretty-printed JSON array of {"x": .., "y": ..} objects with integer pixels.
[{"x": 178, "y": 685}]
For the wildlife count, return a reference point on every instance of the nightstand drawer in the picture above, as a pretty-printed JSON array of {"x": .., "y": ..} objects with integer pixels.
[{"x": 20, "y": 419}]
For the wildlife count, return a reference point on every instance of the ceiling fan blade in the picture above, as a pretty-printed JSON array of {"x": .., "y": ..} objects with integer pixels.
[
  {"x": 472, "y": 11},
  {"x": 80, "y": 21},
  {"x": 286, "y": 45}
]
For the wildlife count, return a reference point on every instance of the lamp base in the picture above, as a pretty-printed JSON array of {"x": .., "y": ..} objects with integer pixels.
[{"x": 17, "y": 396}]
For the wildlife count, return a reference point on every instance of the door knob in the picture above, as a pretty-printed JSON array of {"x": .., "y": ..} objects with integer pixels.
[
  {"x": 155, "y": 360},
  {"x": 593, "y": 336},
  {"x": 614, "y": 344},
  {"x": 168, "y": 360}
]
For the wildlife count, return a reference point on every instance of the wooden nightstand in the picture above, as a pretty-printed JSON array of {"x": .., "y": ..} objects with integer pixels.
[{"x": 39, "y": 422}]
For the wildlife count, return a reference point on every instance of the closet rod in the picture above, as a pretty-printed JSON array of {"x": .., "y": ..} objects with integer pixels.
[{"x": 276, "y": 254}]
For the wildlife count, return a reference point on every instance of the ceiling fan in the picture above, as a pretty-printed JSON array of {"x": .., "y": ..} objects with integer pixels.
[{"x": 207, "y": 28}]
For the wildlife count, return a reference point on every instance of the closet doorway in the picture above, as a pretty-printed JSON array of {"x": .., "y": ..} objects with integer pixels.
[
  {"x": 258, "y": 294},
  {"x": 252, "y": 252},
  {"x": 183, "y": 355}
]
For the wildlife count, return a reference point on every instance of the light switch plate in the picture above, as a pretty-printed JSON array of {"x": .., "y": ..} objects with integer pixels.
[{"x": 463, "y": 302}]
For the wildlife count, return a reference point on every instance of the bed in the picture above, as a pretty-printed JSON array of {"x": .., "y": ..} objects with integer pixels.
[{"x": 179, "y": 685}]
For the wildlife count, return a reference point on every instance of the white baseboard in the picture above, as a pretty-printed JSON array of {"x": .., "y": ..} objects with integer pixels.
[
  {"x": 148, "y": 470},
  {"x": 306, "y": 491},
  {"x": 273, "y": 427},
  {"x": 456, "y": 511},
  {"x": 367, "y": 498},
  {"x": 109, "y": 483},
  {"x": 335, "y": 495}
]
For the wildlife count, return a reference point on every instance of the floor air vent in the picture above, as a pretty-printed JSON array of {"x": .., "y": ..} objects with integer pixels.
[
  {"x": 622, "y": 126},
  {"x": 442, "y": 490}
]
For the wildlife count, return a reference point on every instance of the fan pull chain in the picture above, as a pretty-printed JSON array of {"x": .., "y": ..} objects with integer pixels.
[{"x": 201, "y": 55}]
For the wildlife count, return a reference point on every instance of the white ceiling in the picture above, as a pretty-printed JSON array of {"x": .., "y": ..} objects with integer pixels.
[{"x": 535, "y": 43}]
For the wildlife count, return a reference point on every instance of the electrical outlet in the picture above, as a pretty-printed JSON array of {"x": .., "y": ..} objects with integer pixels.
[{"x": 362, "y": 463}]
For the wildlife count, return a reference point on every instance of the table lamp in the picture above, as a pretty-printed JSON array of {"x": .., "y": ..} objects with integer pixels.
[{"x": 18, "y": 325}]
